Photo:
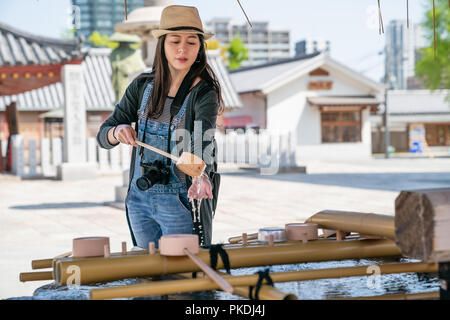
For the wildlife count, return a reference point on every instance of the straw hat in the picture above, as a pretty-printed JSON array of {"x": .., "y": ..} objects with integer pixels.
[{"x": 180, "y": 19}]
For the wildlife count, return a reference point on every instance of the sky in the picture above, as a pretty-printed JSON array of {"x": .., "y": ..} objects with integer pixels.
[{"x": 350, "y": 25}]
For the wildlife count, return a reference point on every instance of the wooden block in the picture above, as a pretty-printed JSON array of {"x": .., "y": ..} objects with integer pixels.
[
  {"x": 244, "y": 239},
  {"x": 340, "y": 235},
  {"x": 107, "y": 251},
  {"x": 151, "y": 248},
  {"x": 124, "y": 248},
  {"x": 422, "y": 224},
  {"x": 271, "y": 240},
  {"x": 369, "y": 236}
]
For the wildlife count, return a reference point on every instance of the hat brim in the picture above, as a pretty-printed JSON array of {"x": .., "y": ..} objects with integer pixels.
[{"x": 158, "y": 33}]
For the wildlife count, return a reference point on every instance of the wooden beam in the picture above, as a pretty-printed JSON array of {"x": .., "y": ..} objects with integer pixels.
[
  {"x": 12, "y": 118},
  {"x": 19, "y": 79},
  {"x": 422, "y": 224}
]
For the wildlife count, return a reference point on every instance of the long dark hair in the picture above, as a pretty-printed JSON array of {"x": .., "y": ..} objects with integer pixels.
[{"x": 162, "y": 78}]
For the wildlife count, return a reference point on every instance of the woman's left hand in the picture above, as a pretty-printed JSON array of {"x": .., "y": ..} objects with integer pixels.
[{"x": 201, "y": 188}]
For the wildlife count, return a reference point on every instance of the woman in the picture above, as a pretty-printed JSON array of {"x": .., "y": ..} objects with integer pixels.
[{"x": 181, "y": 90}]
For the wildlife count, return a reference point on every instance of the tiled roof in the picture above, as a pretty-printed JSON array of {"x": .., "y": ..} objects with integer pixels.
[
  {"x": 21, "y": 48},
  {"x": 229, "y": 95},
  {"x": 99, "y": 94},
  {"x": 254, "y": 78}
]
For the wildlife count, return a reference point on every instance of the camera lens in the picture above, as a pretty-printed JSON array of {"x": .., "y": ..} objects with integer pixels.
[{"x": 143, "y": 183}]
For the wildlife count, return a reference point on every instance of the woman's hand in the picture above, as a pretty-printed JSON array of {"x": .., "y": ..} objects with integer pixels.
[
  {"x": 201, "y": 188},
  {"x": 124, "y": 133}
]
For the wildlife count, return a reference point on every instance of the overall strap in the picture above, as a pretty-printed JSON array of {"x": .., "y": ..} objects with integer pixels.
[{"x": 177, "y": 103}]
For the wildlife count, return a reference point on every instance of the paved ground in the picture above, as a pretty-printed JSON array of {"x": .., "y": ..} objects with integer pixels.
[{"x": 38, "y": 218}]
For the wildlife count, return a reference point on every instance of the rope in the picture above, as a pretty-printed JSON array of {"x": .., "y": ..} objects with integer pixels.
[
  {"x": 407, "y": 14},
  {"x": 380, "y": 20},
  {"x": 245, "y": 14},
  {"x": 214, "y": 251},
  {"x": 261, "y": 276}
]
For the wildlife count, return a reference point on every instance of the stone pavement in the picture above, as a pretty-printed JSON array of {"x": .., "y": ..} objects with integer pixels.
[{"x": 39, "y": 218}]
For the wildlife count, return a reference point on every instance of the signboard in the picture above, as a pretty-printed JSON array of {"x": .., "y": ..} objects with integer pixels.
[
  {"x": 416, "y": 137},
  {"x": 320, "y": 85}
]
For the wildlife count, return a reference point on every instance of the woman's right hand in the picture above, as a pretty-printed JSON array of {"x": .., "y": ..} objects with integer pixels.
[{"x": 124, "y": 133}]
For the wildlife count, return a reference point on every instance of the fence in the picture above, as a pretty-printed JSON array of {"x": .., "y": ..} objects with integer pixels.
[
  {"x": 263, "y": 150},
  {"x": 31, "y": 161}
]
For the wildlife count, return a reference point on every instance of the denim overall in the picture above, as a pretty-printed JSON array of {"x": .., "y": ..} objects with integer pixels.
[{"x": 162, "y": 209}]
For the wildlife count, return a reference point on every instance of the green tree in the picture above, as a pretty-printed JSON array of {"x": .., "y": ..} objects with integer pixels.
[
  {"x": 435, "y": 72},
  {"x": 236, "y": 53},
  {"x": 102, "y": 41}
]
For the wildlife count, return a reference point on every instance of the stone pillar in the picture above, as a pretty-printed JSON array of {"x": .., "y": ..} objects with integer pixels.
[
  {"x": 75, "y": 165},
  {"x": 18, "y": 161}
]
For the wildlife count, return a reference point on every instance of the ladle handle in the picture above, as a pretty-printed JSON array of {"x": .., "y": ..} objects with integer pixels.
[
  {"x": 213, "y": 275},
  {"x": 251, "y": 236},
  {"x": 165, "y": 154}
]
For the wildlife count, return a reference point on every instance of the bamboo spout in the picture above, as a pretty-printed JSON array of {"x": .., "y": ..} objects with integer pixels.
[
  {"x": 114, "y": 268},
  {"x": 366, "y": 223},
  {"x": 241, "y": 283}
]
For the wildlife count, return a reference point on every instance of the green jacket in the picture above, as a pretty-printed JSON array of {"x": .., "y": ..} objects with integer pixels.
[{"x": 202, "y": 109}]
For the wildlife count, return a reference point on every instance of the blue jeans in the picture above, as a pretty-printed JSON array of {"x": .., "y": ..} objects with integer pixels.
[
  {"x": 154, "y": 214},
  {"x": 162, "y": 209}
]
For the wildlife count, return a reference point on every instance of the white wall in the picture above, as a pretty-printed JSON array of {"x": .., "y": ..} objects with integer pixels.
[
  {"x": 254, "y": 106},
  {"x": 285, "y": 106},
  {"x": 288, "y": 110}
]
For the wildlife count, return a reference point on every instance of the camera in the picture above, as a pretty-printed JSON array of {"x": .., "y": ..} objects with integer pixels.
[{"x": 153, "y": 173}]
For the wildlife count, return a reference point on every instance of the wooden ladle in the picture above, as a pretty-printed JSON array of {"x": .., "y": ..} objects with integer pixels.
[
  {"x": 187, "y": 162},
  {"x": 187, "y": 244}
]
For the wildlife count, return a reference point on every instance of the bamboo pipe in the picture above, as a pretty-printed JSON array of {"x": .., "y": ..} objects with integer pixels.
[
  {"x": 266, "y": 292},
  {"x": 366, "y": 223},
  {"x": 47, "y": 263},
  {"x": 251, "y": 236},
  {"x": 36, "y": 276},
  {"x": 258, "y": 243},
  {"x": 242, "y": 282},
  {"x": 115, "y": 268},
  {"x": 41, "y": 264},
  {"x": 408, "y": 296}
]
